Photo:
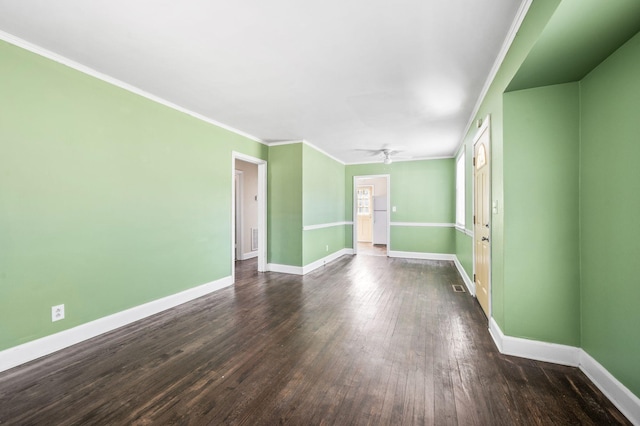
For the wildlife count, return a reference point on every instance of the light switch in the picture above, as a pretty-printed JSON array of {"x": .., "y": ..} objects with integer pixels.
[
  {"x": 393, "y": 209},
  {"x": 495, "y": 206}
]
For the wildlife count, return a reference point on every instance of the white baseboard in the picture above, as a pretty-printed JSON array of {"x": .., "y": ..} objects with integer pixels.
[
  {"x": 618, "y": 394},
  {"x": 471, "y": 286},
  {"x": 322, "y": 262},
  {"x": 534, "y": 349},
  {"x": 303, "y": 270},
  {"x": 420, "y": 255},
  {"x": 284, "y": 269},
  {"x": 29, "y": 351},
  {"x": 250, "y": 255}
]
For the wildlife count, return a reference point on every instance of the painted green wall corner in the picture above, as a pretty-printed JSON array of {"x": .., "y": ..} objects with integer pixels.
[
  {"x": 423, "y": 191},
  {"x": 541, "y": 275},
  {"x": 323, "y": 203},
  {"x": 319, "y": 243},
  {"x": 109, "y": 200},
  {"x": 464, "y": 251},
  {"x": 609, "y": 199},
  {"x": 537, "y": 17},
  {"x": 284, "y": 194},
  {"x": 440, "y": 240},
  {"x": 323, "y": 188}
]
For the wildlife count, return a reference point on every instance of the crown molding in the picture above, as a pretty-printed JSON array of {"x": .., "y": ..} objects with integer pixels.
[
  {"x": 506, "y": 45},
  {"x": 406, "y": 160},
  {"x": 41, "y": 51}
]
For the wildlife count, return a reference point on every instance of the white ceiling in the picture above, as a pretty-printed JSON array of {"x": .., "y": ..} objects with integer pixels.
[{"x": 342, "y": 75}]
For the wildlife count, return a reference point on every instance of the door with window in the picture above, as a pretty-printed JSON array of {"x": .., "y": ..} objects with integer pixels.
[
  {"x": 482, "y": 223},
  {"x": 365, "y": 213}
]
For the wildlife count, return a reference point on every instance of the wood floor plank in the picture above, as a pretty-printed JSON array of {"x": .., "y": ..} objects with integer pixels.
[{"x": 366, "y": 340}]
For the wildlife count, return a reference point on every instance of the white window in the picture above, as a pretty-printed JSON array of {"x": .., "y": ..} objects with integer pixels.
[
  {"x": 364, "y": 200},
  {"x": 460, "y": 190}
]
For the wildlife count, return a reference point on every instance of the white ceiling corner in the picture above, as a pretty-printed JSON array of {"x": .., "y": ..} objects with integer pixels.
[{"x": 341, "y": 76}]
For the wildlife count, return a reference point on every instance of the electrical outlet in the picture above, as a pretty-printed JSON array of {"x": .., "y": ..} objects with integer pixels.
[
  {"x": 327, "y": 247},
  {"x": 57, "y": 313}
]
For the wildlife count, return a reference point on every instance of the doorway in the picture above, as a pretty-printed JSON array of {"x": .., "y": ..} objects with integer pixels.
[
  {"x": 482, "y": 216},
  {"x": 371, "y": 207},
  {"x": 249, "y": 211}
]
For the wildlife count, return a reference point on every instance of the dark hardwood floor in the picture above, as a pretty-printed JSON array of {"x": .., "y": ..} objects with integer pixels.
[{"x": 364, "y": 340}]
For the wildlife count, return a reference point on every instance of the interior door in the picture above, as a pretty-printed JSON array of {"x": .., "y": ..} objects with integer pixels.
[
  {"x": 365, "y": 213},
  {"x": 482, "y": 224}
]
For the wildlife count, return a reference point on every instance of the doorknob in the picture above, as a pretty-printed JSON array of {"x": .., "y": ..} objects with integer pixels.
[
  {"x": 485, "y": 239},
  {"x": 486, "y": 226}
]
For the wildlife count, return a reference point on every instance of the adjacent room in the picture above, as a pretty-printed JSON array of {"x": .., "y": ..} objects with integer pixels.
[{"x": 319, "y": 213}]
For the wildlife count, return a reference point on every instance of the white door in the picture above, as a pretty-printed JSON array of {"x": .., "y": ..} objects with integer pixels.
[
  {"x": 482, "y": 223},
  {"x": 365, "y": 214}
]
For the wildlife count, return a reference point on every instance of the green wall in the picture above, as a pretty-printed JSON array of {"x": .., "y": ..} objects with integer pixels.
[
  {"x": 306, "y": 188},
  {"x": 463, "y": 249},
  {"x": 109, "y": 200},
  {"x": 609, "y": 198},
  {"x": 564, "y": 179},
  {"x": 421, "y": 191},
  {"x": 323, "y": 203},
  {"x": 491, "y": 105},
  {"x": 541, "y": 145},
  {"x": 284, "y": 215}
]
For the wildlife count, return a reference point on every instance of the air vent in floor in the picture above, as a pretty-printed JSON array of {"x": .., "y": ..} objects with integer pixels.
[{"x": 458, "y": 288}]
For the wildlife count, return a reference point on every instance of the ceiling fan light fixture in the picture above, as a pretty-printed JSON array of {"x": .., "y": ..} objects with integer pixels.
[{"x": 387, "y": 159}]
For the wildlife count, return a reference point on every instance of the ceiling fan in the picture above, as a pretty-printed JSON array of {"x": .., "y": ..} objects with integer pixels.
[{"x": 385, "y": 153}]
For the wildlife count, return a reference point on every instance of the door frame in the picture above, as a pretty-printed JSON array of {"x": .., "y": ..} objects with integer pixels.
[
  {"x": 485, "y": 126},
  {"x": 237, "y": 215},
  {"x": 262, "y": 209},
  {"x": 354, "y": 196}
]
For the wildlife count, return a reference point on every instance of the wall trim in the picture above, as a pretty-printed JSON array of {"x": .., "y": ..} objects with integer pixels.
[
  {"x": 424, "y": 224},
  {"x": 534, "y": 349},
  {"x": 612, "y": 388},
  {"x": 303, "y": 270},
  {"x": 305, "y": 142},
  {"x": 618, "y": 394},
  {"x": 421, "y": 255},
  {"x": 464, "y": 230},
  {"x": 35, "y": 349},
  {"x": 322, "y": 262},
  {"x": 322, "y": 151},
  {"x": 284, "y": 269},
  {"x": 38, "y": 50},
  {"x": 511, "y": 35},
  {"x": 325, "y": 225},
  {"x": 402, "y": 160},
  {"x": 249, "y": 255},
  {"x": 471, "y": 286}
]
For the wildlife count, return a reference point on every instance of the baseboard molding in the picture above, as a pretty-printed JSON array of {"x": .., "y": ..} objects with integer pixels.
[
  {"x": 534, "y": 349},
  {"x": 250, "y": 255},
  {"x": 471, "y": 286},
  {"x": 284, "y": 269},
  {"x": 35, "y": 349},
  {"x": 619, "y": 394},
  {"x": 303, "y": 270},
  {"x": 420, "y": 255},
  {"x": 322, "y": 262},
  {"x": 612, "y": 388}
]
